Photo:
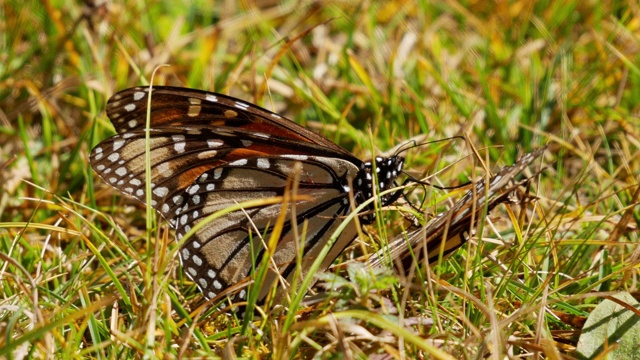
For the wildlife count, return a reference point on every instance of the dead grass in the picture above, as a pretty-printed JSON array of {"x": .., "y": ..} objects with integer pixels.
[{"x": 82, "y": 275}]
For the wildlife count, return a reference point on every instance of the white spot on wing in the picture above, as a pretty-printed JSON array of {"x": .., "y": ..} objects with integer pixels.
[
  {"x": 241, "y": 105},
  {"x": 211, "y": 98},
  {"x": 192, "y": 271},
  {"x": 130, "y": 107},
  {"x": 261, "y": 135},
  {"x": 295, "y": 157},
  {"x": 161, "y": 191},
  {"x": 207, "y": 154},
  {"x": 240, "y": 162},
  {"x": 179, "y": 143},
  {"x": 263, "y": 163},
  {"x": 212, "y": 143},
  {"x": 118, "y": 144}
]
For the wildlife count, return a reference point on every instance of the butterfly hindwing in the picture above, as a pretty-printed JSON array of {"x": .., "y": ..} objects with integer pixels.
[{"x": 223, "y": 252}]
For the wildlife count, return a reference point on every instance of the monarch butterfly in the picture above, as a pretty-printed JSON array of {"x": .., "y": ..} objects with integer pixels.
[{"x": 209, "y": 151}]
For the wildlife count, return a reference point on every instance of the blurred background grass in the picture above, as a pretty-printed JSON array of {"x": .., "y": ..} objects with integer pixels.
[{"x": 509, "y": 76}]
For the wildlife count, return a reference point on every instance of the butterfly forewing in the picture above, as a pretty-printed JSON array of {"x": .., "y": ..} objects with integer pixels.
[{"x": 176, "y": 107}]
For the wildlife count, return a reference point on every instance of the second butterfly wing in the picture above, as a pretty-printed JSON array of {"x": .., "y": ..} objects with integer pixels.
[{"x": 449, "y": 230}]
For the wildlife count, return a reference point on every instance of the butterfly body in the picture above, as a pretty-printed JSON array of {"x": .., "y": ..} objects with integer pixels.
[{"x": 208, "y": 152}]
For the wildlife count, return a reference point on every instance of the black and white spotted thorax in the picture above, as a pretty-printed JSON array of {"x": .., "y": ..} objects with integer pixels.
[{"x": 386, "y": 171}]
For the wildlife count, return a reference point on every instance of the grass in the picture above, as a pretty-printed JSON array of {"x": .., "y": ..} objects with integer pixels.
[{"x": 83, "y": 275}]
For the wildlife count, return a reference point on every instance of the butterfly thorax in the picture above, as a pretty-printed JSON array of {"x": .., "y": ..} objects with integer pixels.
[{"x": 386, "y": 170}]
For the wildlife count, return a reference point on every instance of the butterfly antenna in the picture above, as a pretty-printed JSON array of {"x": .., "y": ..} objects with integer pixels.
[{"x": 411, "y": 144}]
